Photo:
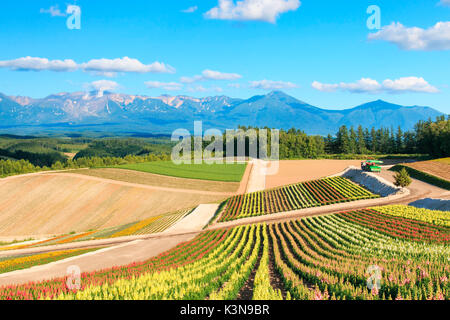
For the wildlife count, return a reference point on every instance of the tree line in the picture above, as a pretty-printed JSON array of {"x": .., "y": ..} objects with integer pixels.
[
  {"x": 13, "y": 167},
  {"x": 428, "y": 137}
]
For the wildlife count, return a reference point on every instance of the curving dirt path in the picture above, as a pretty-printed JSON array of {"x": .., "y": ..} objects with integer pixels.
[
  {"x": 129, "y": 252},
  {"x": 141, "y": 186}
]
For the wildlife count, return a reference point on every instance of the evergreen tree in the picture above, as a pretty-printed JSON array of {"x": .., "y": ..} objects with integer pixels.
[
  {"x": 399, "y": 146},
  {"x": 353, "y": 141},
  {"x": 402, "y": 178},
  {"x": 361, "y": 140},
  {"x": 343, "y": 140},
  {"x": 374, "y": 140}
]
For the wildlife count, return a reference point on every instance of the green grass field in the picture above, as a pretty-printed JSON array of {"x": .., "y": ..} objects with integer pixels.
[{"x": 214, "y": 172}]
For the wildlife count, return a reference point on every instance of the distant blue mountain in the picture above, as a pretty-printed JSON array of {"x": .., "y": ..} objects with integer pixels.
[{"x": 119, "y": 113}]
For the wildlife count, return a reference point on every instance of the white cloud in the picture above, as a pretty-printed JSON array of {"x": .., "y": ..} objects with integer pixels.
[
  {"x": 211, "y": 75},
  {"x": 324, "y": 87},
  {"x": 235, "y": 85},
  {"x": 103, "y": 85},
  {"x": 360, "y": 86},
  {"x": 190, "y": 9},
  {"x": 169, "y": 86},
  {"x": 367, "y": 85},
  {"x": 54, "y": 11},
  {"x": 433, "y": 38},
  {"x": 445, "y": 3},
  {"x": 104, "y": 67},
  {"x": 262, "y": 10},
  {"x": 272, "y": 85},
  {"x": 409, "y": 84},
  {"x": 39, "y": 64},
  {"x": 111, "y": 66}
]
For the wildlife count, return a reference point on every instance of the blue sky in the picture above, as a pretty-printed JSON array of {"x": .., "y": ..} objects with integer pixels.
[{"x": 316, "y": 50}]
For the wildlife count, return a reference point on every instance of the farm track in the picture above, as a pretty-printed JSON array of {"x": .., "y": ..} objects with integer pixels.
[
  {"x": 121, "y": 254},
  {"x": 141, "y": 186}
]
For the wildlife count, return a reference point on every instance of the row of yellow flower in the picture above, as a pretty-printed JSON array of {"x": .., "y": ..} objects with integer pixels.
[
  {"x": 29, "y": 261},
  {"x": 439, "y": 218},
  {"x": 136, "y": 227}
]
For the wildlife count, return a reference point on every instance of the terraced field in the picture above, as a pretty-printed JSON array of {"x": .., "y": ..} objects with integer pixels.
[
  {"x": 147, "y": 226},
  {"x": 145, "y": 178},
  {"x": 292, "y": 197},
  {"x": 352, "y": 255},
  {"x": 57, "y": 203}
]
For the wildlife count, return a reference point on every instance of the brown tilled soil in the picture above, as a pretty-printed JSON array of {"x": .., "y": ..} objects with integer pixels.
[
  {"x": 293, "y": 171},
  {"x": 436, "y": 168},
  {"x": 60, "y": 203},
  {"x": 159, "y": 180}
]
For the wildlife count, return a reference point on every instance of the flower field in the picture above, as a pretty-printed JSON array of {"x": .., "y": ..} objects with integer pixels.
[
  {"x": 9, "y": 264},
  {"x": 440, "y": 218},
  {"x": 362, "y": 254},
  {"x": 292, "y": 197},
  {"x": 148, "y": 226}
]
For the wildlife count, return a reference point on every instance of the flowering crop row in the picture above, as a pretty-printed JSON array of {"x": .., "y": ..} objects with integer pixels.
[
  {"x": 397, "y": 226},
  {"x": 440, "y": 218},
  {"x": 292, "y": 197},
  {"x": 23, "y": 262},
  {"x": 181, "y": 255},
  {"x": 148, "y": 226},
  {"x": 332, "y": 256},
  {"x": 324, "y": 257}
]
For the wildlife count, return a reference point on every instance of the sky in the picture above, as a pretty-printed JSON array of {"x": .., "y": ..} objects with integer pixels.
[{"x": 331, "y": 54}]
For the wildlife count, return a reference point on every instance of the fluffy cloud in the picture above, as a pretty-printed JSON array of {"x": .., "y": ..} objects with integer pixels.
[
  {"x": 190, "y": 9},
  {"x": 272, "y": 85},
  {"x": 211, "y": 75},
  {"x": 103, "y": 85},
  {"x": 367, "y": 85},
  {"x": 125, "y": 64},
  {"x": 262, "y": 10},
  {"x": 433, "y": 38},
  {"x": 105, "y": 67},
  {"x": 39, "y": 64},
  {"x": 324, "y": 87},
  {"x": 54, "y": 11},
  {"x": 169, "y": 86},
  {"x": 409, "y": 84}
]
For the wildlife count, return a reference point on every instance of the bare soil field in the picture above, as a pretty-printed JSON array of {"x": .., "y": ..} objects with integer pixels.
[
  {"x": 46, "y": 204},
  {"x": 159, "y": 180},
  {"x": 438, "y": 168},
  {"x": 293, "y": 171}
]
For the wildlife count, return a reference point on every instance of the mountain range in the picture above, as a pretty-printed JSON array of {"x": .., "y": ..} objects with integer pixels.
[{"x": 122, "y": 113}]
